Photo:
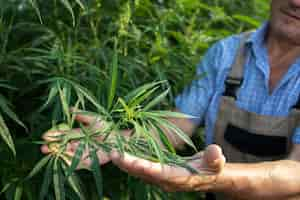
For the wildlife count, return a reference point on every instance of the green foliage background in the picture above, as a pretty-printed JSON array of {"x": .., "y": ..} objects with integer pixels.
[{"x": 74, "y": 39}]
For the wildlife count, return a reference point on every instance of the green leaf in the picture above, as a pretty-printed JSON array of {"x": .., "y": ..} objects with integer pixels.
[
  {"x": 141, "y": 90},
  {"x": 90, "y": 97},
  {"x": 5, "y": 187},
  {"x": 170, "y": 126},
  {"x": 76, "y": 159},
  {"x": 96, "y": 172},
  {"x": 53, "y": 92},
  {"x": 36, "y": 8},
  {"x": 79, "y": 91},
  {"x": 6, "y": 110},
  {"x": 120, "y": 143},
  {"x": 58, "y": 181},
  {"x": 46, "y": 180},
  {"x": 167, "y": 114},
  {"x": 68, "y": 6},
  {"x": 7, "y": 86},
  {"x": 154, "y": 143},
  {"x": 163, "y": 138},
  {"x": 80, "y": 4},
  {"x": 128, "y": 111},
  {"x": 157, "y": 100},
  {"x": 143, "y": 97},
  {"x": 38, "y": 166},
  {"x": 72, "y": 135},
  {"x": 64, "y": 102},
  {"x": 150, "y": 139},
  {"x": 5, "y": 134},
  {"x": 247, "y": 19},
  {"x": 113, "y": 76},
  {"x": 74, "y": 183},
  {"x": 157, "y": 149},
  {"x": 18, "y": 192},
  {"x": 138, "y": 130}
]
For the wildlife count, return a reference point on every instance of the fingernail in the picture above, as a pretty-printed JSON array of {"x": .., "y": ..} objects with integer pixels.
[{"x": 114, "y": 155}]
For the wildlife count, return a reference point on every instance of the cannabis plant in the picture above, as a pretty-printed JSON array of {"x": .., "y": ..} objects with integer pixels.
[
  {"x": 148, "y": 139},
  {"x": 5, "y": 109}
]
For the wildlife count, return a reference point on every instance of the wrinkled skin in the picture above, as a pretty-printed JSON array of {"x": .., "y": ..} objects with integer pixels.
[
  {"x": 172, "y": 178},
  {"x": 285, "y": 19}
]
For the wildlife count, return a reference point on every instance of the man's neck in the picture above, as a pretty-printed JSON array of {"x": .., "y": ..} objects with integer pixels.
[{"x": 281, "y": 49}]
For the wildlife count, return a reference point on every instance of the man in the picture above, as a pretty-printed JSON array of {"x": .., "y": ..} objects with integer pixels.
[
  {"x": 250, "y": 116},
  {"x": 250, "y": 107}
]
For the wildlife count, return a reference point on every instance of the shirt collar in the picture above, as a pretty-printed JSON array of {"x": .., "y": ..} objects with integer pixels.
[
  {"x": 258, "y": 36},
  {"x": 256, "y": 44}
]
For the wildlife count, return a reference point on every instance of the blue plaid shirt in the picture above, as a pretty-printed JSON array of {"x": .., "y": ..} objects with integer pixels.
[{"x": 202, "y": 97}]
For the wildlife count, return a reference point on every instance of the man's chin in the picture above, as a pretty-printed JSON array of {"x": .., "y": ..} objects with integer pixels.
[{"x": 288, "y": 32}]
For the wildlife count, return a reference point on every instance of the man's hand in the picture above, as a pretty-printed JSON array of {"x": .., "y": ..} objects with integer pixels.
[
  {"x": 95, "y": 124},
  {"x": 274, "y": 180},
  {"x": 210, "y": 164}
]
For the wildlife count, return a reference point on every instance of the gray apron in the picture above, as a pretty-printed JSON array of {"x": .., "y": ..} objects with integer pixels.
[{"x": 247, "y": 137}]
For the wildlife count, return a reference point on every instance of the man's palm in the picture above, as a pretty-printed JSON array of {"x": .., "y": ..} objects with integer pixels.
[{"x": 172, "y": 178}]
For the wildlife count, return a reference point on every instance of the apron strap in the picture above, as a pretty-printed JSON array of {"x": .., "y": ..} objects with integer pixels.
[
  {"x": 297, "y": 105},
  {"x": 235, "y": 78}
]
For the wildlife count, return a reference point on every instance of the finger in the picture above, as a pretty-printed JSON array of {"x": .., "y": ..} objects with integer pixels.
[
  {"x": 71, "y": 150},
  {"x": 55, "y": 136},
  {"x": 88, "y": 118},
  {"x": 72, "y": 146},
  {"x": 103, "y": 157},
  {"x": 169, "y": 188},
  {"x": 127, "y": 133},
  {"x": 144, "y": 168},
  {"x": 84, "y": 163},
  {"x": 198, "y": 163},
  {"x": 74, "y": 109},
  {"x": 214, "y": 157},
  {"x": 45, "y": 149},
  {"x": 52, "y": 136}
]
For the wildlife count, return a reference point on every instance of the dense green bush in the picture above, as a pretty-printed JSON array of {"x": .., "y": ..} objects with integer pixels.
[{"x": 46, "y": 43}]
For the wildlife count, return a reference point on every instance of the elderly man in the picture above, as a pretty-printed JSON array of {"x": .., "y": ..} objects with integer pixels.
[{"x": 249, "y": 101}]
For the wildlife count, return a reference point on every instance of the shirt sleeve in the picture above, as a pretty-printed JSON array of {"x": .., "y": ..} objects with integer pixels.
[
  {"x": 296, "y": 136},
  {"x": 195, "y": 98}
]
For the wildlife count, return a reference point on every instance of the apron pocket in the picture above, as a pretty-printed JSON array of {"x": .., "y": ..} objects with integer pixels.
[{"x": 255, "y": 144}]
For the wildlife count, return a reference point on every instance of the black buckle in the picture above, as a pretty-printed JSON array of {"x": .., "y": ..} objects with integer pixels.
[{"x": 231, "y": 86}]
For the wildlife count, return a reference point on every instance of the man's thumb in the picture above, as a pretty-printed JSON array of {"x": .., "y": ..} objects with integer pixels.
[{"x": 214, "y": 158}]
